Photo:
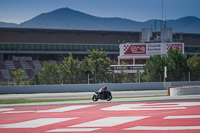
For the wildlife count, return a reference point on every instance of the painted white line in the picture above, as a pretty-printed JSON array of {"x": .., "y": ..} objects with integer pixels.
[
  {"x": 15, "y": 112},
  {"x": 35, "y": 123},
  {"x": 164, "y": 128},
  {"x": 68, "y": 108},
  {"x": 63, "y": 109},
  {"x": 182, "y": 117},
  {"x": 5, "y": 109},
  {"x": 127, "y": 107},
  {"x": 74, "y": 130},
  {"x": 178, "y": 104},
  {"x": 110, "y": 121}
]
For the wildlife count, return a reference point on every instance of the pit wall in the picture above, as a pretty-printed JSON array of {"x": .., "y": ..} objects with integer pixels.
[{"x": 92, "y": 87}]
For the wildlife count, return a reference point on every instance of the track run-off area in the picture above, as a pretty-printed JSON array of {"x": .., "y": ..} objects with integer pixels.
[{"x": 124, "y": 117}]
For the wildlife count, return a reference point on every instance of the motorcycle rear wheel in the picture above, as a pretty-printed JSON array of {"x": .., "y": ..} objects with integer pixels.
[{"x": 94, "y": 98}]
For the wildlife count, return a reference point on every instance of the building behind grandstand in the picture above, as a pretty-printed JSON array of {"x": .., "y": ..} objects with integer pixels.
[{"x": 28, "y": 48}]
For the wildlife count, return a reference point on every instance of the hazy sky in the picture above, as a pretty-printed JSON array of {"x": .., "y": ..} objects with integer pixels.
[{"x": 17, "y": 11}]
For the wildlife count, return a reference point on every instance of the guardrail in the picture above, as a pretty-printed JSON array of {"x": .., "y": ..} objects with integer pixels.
[{"x": 92, "y": 87}]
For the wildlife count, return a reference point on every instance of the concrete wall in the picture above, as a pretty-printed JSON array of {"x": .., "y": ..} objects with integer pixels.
[
  {"x": 190, "y": 90},
  {"x": 183, "y": 83},
  {"x": 91, "y": 87}
]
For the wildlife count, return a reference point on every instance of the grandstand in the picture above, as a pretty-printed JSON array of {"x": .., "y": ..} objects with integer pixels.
[{"x": 28, "y": 48}]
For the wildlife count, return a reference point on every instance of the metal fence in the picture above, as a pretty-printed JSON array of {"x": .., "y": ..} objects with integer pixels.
[{"x": 108, "y": 78}]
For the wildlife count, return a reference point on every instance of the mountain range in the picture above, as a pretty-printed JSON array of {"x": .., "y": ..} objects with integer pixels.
[{"x": 66, "y": 18}]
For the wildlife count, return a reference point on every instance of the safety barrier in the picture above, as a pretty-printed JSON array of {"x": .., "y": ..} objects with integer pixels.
[
  {"x": 184, "y": 90},
  {"x": 92, "y": 87}
]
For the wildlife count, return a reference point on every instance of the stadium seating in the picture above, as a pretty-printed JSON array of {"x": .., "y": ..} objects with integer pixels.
[
  {"x": 5, "y": 74},
  {"x": 30, "y": 62},
  {"x": 10, "y": 65},
  {"x": 17, "y": 64},
  {"x": 2, "y": 66},
  {"x": 29, "y": 73},
  {"x": 29, "y": 67},
  {"x": 37, "y": 64},
  {"x": 1, "y": 75},
  {"x": 25, "y": 65}
]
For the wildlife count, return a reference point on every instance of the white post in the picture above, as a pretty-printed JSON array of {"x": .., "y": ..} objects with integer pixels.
[
  {"x": 165, "y": 73},
  {"x": 133, "y": 61},
  {"x": 139, "y": 76},
  {"x": 88, "y": 78},
  {"x": 118, "y": 60},
  {"x": 35, "y": 79},
  {"x": 62, "y": 80},
  {"x": 189, "y": 75},
  {"x": 8, "y": 79},
  {"x": 113, "y": 78}
]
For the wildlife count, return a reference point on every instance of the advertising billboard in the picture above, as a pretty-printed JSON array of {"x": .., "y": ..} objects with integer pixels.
[
  {"x": 173, "y": 46},
  {"x": 135, "y": 49},
  {"x": 149, "y": 49}
]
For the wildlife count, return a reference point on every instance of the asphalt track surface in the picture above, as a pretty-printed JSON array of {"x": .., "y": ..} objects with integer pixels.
[
  {"x": 82, "y": 95},
  {"x": 182, "y": 116},
  {"x": 165, "y": 114}
]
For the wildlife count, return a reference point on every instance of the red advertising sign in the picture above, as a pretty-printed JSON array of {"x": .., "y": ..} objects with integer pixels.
[
  {"x": 174, "y": 47},
  {"x": 134, "y": 49}
]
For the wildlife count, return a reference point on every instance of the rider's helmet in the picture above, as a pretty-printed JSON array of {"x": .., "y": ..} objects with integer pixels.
[{"x": 105, "y": 88}]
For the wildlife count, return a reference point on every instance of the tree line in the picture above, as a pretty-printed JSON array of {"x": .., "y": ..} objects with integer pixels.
[
  {"x": 179, "y": 67},
  {"x": 95, "y": 68}
]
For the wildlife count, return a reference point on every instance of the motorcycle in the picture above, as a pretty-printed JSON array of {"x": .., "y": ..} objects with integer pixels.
[{"x": 103, "y": 96}]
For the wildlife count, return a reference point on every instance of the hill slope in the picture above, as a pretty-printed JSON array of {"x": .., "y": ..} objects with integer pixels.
[{"x": 66, "y": 18}]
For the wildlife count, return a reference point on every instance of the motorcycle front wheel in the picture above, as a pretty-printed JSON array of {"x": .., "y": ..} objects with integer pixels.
[
  {"x": 109, "y": 98},
  {"x": 94, "y": 98}
]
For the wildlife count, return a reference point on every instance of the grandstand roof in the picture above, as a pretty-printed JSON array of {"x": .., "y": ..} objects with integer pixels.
[
  {"x": 28, "y": 35},
  {"x": 29, "y": 40}
]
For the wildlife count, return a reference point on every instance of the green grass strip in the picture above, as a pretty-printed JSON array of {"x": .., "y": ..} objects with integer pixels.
[
  {"x": 140, "y": 96},
  {"x": 18, "y": 101}
]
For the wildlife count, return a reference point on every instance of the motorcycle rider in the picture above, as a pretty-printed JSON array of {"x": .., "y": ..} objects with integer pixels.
[
  {"x": 103, "y": 91},
  {"x": 103, "y": 94}
]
